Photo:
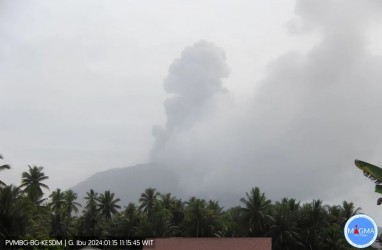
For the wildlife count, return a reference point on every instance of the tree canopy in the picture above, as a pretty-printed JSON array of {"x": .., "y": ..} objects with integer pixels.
[{"x": 292, "y": 225}]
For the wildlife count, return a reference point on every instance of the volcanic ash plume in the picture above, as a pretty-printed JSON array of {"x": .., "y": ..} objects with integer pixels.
[{"x": 193, "y": 81}]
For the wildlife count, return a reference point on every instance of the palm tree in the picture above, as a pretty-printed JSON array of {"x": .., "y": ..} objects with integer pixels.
[
  {"x": 166, "y": 200},
  {"x": 177, "y": 214},
  {"x": 90, "y": 218},
  {"x": 158, "y": 224},
  {"x": 107, "y": 205},
  {"x": 284, "y": 231},
  {"x": 32, "y": 183},
  {"x": 70, "y": 202},
  {"x": 13, "y": 212},
  {"x": 256, "y": 212},
  {"x": 214, "y": 220},
  {"x": 215, "y": 207},
  {"x": 196, "y": 215},
  {"x": 91, "y": 198},
  {"x": 57, "y": 205},
  {"x": 2, "y": 167},
  {"x": 333, "y": 233},
  {"x": 348, "y": 210},
  {"x": 231, "y": 219},
  {"x": 147, "y": 201},
  {"x": 335, "y": 214},
  {"x": 313, "y": 219},
  {"x": 333, "y": 238},
  {"x": 131, "y": 220}
]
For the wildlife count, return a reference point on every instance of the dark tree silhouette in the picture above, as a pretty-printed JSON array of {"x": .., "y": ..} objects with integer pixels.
[
  {"x": 32, "y": 183},
  {"x": 256, "y": 212},
  {"x": 147, "y": 201},
  {"x": 107, "y": 205},
  {"x": 70, "y": 202},
  {"x": 2, "y": 167}
]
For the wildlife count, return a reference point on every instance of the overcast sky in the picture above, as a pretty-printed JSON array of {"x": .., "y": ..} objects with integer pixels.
[{"x": 283, "y": 95}]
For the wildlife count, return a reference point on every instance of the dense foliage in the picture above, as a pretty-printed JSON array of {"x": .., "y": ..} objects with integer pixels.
[{"x": 292, "y": 225}]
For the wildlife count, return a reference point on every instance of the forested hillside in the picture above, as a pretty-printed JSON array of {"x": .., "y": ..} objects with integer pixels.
[{"x": 26, "y": 214}]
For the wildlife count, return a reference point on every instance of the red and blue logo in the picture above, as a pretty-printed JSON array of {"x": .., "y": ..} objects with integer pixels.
[{"x": 361, "y": 231}]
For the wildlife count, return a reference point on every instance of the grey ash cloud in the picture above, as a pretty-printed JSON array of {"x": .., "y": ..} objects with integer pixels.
[
  {"x": 311, "y": 116},
  {"x": 193, "y": 81}
]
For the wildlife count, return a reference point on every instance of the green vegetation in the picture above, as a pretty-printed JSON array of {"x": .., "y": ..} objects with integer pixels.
[{"x": 292, "y": 225}]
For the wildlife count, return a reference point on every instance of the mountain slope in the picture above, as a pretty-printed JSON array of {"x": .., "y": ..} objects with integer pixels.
[{"x": 128, "y": 183}]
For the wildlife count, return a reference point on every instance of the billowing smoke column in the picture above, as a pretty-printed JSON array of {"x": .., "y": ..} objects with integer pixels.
[
  {"x": 312, "y": 115},
  {"x": 193, "y": 80}
]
